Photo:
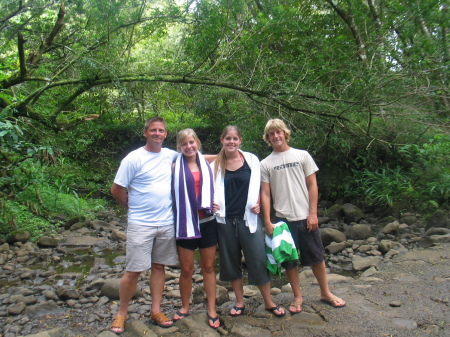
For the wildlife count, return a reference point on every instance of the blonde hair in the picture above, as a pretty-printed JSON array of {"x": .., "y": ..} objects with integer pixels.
[
  {"x": 183, "y": 134},
  {"x": 221, "y": 159},
  {"x": 276, "y": 125}
]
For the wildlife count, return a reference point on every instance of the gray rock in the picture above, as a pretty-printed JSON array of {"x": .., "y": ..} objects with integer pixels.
[
  {"x": 439, "y": 218},
  {"x": 222, "y": 295},
  {"x": 352, "y": 213},
  {"x": 408, "y": 219},
  {"x": 57, "y": 332},
  {"x": 118, "y": 235},
  {"x": 111, "y": 289},
  {"x": 395, "y": 304},
  {"x": 437, "y": 231},
  {"x": 362, "y": 263},
  {"x": 358, "y": 232},
  {"x": 86, "y": 241},
  {"x": 47, "y": 242},
  {"x": 16, "y": 308},
  {"x": 335, "y": 248},
  {"x": 385, "y": 245},
  {"x": 18, "y": 236},
  {"x": 65, "y": 293},
  {"x": 100, "y": 225},
  {"x": 391, "y": 228},
  {"x": 334, "y": 212},
  {"x": 330, "y": 235},
  {"x": 432, "y": 240}
]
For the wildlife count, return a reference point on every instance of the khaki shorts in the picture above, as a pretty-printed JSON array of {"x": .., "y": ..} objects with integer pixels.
[{"x": 150, "y": 244}]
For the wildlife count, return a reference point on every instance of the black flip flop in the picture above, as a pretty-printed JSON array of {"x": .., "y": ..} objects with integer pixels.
[
  {"x": 277, "y": 308},
  {"x": 241, "y": 309}
]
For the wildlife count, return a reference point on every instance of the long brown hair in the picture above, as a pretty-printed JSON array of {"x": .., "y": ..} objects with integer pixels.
[{"x": 221, "y": 159}]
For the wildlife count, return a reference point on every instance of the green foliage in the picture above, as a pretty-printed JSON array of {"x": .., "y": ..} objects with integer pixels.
[{"x": 421, "y": 182}]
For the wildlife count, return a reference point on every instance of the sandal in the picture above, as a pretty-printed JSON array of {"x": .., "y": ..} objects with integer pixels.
[
  {"x": 213, "y": 319},
  {"x": 236, "y": 309},
  {"x": 295, "y": 304},
  {"x": 181, "y": 315},
  {"x": 118, "y": 324},
  {"x": 333, "y": 301},
  {"x": 276, "y": 308},
  {"x": 160, "y": 319}
]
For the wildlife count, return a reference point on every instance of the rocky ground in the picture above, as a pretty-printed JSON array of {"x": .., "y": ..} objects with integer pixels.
[{"x": 392, "y": 272}]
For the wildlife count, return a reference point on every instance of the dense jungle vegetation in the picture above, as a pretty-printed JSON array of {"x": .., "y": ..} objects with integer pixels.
[{"x": 363, "y": 85}]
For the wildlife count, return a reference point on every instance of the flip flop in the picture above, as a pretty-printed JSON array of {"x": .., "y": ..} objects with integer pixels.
[
  {"x": 213, "y": 319},
  {"x": 276, "y": 308},
  {"x": 296, "y": 304},
  {"x": 181, "y": 315},
  {"x": 332, "y": 301},
  {"x": 160, "y": 318},
  {"x": 241, "y": 309}
]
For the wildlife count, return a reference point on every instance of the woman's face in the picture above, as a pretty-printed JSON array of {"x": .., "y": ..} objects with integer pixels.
[
  {"x": 189, "y": 147},
  {"x": 231, "y": 141}
]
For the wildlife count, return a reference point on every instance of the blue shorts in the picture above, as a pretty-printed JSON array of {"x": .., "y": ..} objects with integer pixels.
[
  {"x": 208, "y": 230},
  {"x": 309, "y": 244}
]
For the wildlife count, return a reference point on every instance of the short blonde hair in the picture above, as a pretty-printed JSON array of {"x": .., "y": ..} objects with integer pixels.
[
  {"x": 276, "y": 125},
  {"x": 183, "y": 134}
]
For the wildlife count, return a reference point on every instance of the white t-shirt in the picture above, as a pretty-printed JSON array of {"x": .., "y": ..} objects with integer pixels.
[
  {"x": 286, "y": 173},
  {"x": 147, "y": 176}
]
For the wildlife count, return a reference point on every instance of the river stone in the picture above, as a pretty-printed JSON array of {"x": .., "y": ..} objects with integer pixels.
[
  {"x": 4, "y": 247},
  {"x": 246, "y": 330},
  {"x": 408, "y": 219},
  {"x": 65, "y": 293},
  {"x": 362, "y": 263},
  {"x": 385, "y": 245},
  {"x": 330, "y": 235},
  {"x": 111, "y": 289},
  {"x": 391, "y": 228},
  {"x": 57, "y": 332},
  {"x": 439, "y": 218},
  {"x": 118, "y": 235},
  {"x": 358, "y": 232},
  {"x": 100, "y": 225},
  {"x": 138, "y": 328},
  {"x": 405, "y": 323},
  {"x": 86, "y": 241},
  {"x": 335, "y": 248},
  {"x": 18, "y": 236},
  {"x": 334, "y": 212},
  {"x": 437, "y": 231},
  {"x": 73, "y": 220},
  {"x": 432, "y": 240},
  {"x": 352, "y": 213},
  {"x": 16, "y": 308},
  {"x": 47, "y": 242}
]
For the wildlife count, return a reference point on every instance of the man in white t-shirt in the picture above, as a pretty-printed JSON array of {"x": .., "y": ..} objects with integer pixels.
[
  {"x": 289, "y": 176},
  {"x": 143, "y": 186}
]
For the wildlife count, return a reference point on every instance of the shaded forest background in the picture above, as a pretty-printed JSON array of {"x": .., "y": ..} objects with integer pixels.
[{"x": 363, "y": 85}]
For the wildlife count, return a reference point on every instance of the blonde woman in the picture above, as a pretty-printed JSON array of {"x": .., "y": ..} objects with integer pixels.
[
  {"x": 236, "y": 191},
  {"x": 193, "y": 192}
]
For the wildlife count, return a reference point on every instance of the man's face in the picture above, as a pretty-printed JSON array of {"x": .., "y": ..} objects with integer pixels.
[
  {"x": 277, "y": 138},
  {"x": 155, "y": 133}
]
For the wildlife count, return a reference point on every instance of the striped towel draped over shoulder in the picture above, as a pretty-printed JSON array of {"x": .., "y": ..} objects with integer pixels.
[{"x": 186, "y": 203}]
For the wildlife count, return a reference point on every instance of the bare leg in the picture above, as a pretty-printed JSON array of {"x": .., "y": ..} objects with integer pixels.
[
  {"x": 268, "y": 302},
  {"x": 207, "y": 257},
  {"x": 157, "y": 281},
  {"x": 292, "y": 275},
  {"x": 320, "y": 273},
  {"x": 238, "y": 288},
  {"x": 127, "y": 288},
  {"x": 186, "y": 258}
]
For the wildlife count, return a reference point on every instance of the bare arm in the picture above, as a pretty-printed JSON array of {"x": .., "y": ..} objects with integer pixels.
[
  {"x": 313, "y": 192},
  {"x": 265, "y": 204},
  {"x": 210, "y": 157},
  {"x": 120, "y": 194}
]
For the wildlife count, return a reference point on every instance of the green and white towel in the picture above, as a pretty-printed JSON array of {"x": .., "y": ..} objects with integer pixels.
[{"x": 279, "y": 248}]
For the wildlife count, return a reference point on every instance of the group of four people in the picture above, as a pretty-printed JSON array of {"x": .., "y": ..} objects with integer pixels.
[{"x": 217, "y": 204}]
